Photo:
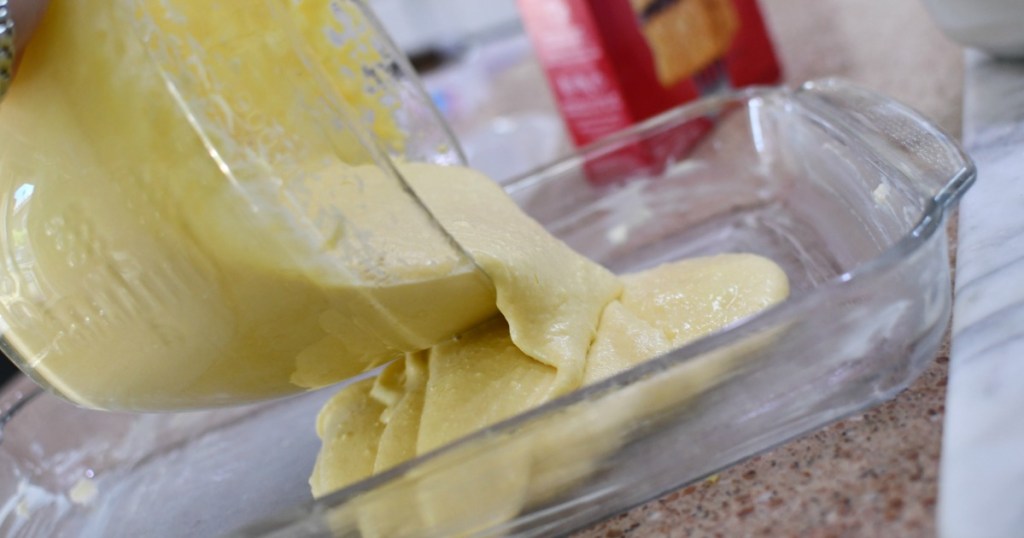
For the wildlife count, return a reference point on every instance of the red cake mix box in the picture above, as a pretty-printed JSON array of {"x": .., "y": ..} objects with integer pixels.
[{"x": 613, "y": 63}]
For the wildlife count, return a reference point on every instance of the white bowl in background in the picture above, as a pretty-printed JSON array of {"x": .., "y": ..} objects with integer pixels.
[{"x": 995, "y": 26}]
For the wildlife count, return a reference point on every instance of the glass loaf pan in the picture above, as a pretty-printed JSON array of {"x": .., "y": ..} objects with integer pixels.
[{"x": 847, "y": 190}]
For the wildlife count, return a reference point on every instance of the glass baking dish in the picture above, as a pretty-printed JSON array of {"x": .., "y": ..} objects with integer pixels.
[{"x": 847, "y": 190}]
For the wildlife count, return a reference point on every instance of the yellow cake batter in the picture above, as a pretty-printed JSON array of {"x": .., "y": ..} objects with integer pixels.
[{"x": 482, "y": 377}]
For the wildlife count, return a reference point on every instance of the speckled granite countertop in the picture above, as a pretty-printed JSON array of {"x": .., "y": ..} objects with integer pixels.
[{"x": 874, "y": 474}]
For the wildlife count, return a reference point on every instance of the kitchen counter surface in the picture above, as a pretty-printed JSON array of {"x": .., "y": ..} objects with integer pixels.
[
  {"x": 982, "y": 473},
  {"x": 874, "y": 474}
]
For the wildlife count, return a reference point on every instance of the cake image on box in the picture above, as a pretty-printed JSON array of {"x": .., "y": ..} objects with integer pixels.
[
  {"x": 613, "y": 63},
  {"x": 686, "y": 36}
]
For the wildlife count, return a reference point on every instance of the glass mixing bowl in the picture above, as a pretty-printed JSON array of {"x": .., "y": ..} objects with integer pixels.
[
  {"x": 845, "y": 189},
  {"x": 185, "y": 217}
]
